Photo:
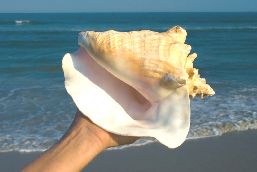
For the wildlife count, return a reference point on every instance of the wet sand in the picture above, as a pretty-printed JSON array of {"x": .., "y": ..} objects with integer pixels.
[{"x": 235, "y": 152}]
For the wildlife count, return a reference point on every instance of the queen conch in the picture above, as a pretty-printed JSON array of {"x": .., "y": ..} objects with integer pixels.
[{"x": 157, "y": 65}]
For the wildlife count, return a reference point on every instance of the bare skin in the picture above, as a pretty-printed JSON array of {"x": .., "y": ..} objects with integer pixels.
[{"x": 81, "y": 144}]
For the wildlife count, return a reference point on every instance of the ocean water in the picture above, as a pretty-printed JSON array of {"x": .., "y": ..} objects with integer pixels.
[{"x": 35, "y": 109}]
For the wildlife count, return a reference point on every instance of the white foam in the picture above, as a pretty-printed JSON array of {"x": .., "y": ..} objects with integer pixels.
[
  {"x": 19, "y": 22},
  {"x": 232, "y": 111},
  {"x": 222, "y": 28}
]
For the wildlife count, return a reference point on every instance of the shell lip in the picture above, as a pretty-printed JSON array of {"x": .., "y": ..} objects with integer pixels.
[{"x": 177, "y": 132}]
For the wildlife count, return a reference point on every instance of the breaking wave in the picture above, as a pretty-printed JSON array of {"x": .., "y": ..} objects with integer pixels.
[{"x": 20, "y": 22}]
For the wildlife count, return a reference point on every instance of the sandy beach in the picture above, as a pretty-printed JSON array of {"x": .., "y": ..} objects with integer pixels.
[{"x": 231, "y": 152}]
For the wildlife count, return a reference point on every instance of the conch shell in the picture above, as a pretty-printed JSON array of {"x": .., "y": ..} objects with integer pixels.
[
  {"x": 153, "y": 63},
  {"x": 157, "y": 65}
]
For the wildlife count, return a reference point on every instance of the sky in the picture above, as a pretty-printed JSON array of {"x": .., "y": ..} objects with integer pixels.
[{"x": 128, "y": 5}]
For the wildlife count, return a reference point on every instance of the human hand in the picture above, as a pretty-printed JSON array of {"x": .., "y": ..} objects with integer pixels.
[{"x": 105, "y": 138}]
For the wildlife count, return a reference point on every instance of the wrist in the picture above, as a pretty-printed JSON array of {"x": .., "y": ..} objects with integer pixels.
[
  {"x": 80, "y": 137},
  {"x": 88, "y": 132}
]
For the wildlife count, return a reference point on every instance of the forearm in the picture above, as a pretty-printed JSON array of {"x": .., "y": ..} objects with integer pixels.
[
  {"x": 75, "y": 150},
  {"x": 82, "y": 143}
]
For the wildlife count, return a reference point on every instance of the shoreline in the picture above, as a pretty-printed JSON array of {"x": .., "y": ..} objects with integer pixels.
[{"x": 234, "y": 151}]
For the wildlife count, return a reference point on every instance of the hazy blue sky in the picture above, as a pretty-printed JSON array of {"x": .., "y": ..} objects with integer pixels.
[{"x": 125, "y": 5}]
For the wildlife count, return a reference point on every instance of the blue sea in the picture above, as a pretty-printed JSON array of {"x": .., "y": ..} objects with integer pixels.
[{"x": 35, "y": 109}]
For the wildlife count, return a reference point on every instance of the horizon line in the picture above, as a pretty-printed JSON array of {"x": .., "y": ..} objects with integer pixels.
[{"x": 8, "y": 12}]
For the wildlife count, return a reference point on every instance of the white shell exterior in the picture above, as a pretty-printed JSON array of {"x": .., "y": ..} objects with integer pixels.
[{"x": 169, "y": 124}]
